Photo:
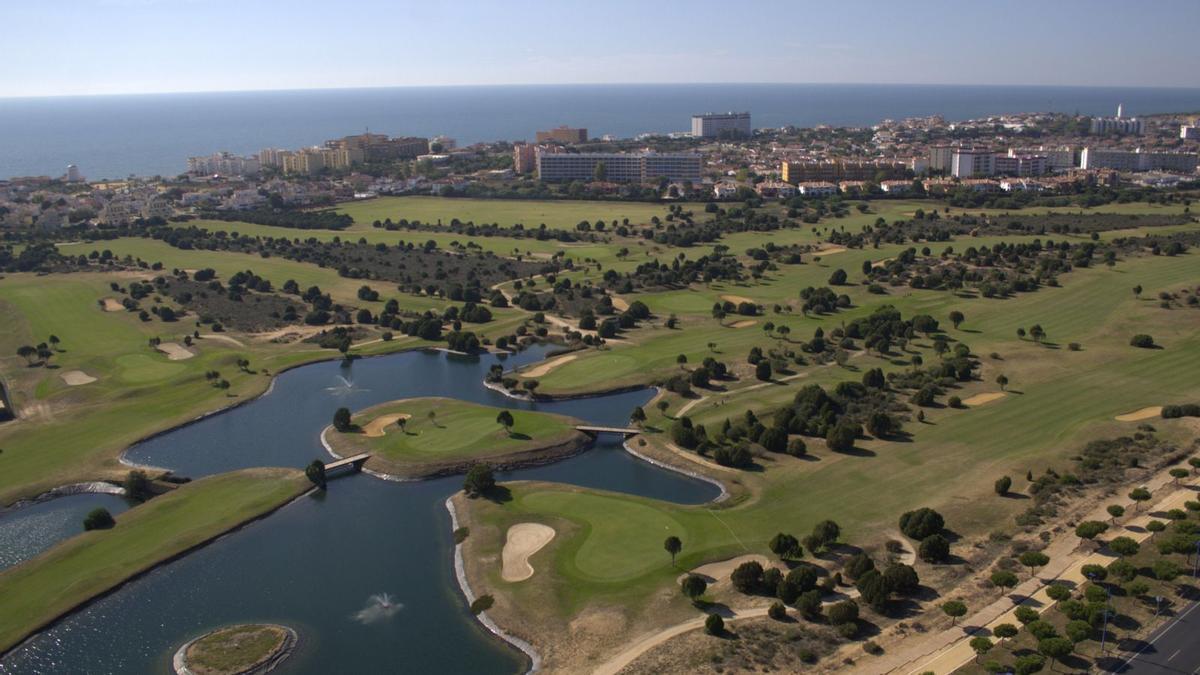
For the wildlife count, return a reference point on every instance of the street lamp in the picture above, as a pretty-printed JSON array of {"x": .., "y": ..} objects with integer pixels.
[
  {"x": 1107, "y": 600},
  {"x": 1157, "y": 605}
]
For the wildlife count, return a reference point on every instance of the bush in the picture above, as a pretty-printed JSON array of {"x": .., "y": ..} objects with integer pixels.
[
  {"x": 748, "y": 577},
  {"x": 1142, "y": 340},
  {"x": 922, "y": 523},
  {"x": 714, "y": 624},
  {"x": 777, "y": 611},
  {"x": 934, "y": 549},
  {"x": 1002, "y": 486},
  {"x": 843, "y": 612},
  {"x": 479, "y": 481},
  {"x": 98, "y": 519}
]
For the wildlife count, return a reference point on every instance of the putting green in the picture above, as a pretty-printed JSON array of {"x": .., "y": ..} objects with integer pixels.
[{"x": 141, "y": 368}]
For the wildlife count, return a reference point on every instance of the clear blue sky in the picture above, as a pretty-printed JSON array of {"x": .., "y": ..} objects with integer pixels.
[{"x": 60, "y": 47}]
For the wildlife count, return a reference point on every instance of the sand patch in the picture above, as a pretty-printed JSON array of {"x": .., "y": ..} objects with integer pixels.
[
  {"x": 832, "y": 250},
  {"x": 111, "y": 305},
  {"x": 620, "y": 303},
  {"x": 745, "y": 323},
  {"x": 1143, "y": 414},
  {"x": 77, "y": 377},
  {"x": 175, "y": 351},
  {"x": 521, "y": 542},
  {"x": 377, "y": 427},
  {"x": 737, "y": 299},
  {"x": 223, "y": 338},
  {"x": 719, "y": 572},
  {"x": 881, "y": 263},
  {"x": 980, "y": 399},
  {"x": 545, "y": 368}
]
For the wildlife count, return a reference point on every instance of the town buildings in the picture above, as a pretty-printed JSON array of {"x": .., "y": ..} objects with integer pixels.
[
  {"x": 618, "y": 167},
  {"x": 721, "y": 125},
  {"x": 1189, "y": 133},
  {"x": 832, "y": 171},
  {"x": 1137, "y": 160},
  {"x": 524, "y": 157},
  {"x": 225, "y": 164},
  {"x": 1119, "y": 125},
  {"x": 564, "y": 134}
]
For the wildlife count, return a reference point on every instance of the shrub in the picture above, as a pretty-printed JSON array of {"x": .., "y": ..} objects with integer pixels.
[
  {"x": 98, "y": 519},
  {"x": 843, "y": 612},
  {"x": 714, "y": 624},
  {"x": 748, "y": 577},
  {"x": 1142, "y": 340},
  {"x": 777, "y": 611},
  {"x": 922, "y": 523},
  {"x": 934, "y": 549}
]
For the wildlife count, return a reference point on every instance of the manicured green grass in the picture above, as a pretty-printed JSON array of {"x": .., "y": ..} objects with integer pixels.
[
  {"x": 562, "y": 215},
  {"x": 41, "y": 589},
  {"x": 440, "y": 433},
  {"x": 235, "y": 649}
]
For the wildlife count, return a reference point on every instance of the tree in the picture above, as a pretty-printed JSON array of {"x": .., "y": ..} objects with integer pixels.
[
  {"x": 1154, "y": 527},
  {"x": 1037, "y": 332},
  {"x": 1002, "y": 380},
  {"x": 1055, "y": 648},
  {"x": 843, "y": 612},
  {"x": 136, "y": 485},
  {"x": 27, "y": 352},
  {"x": 505, "y": 419},
  {"x": 934, "y": 549},
  {"x": 1029, "y": 664},
  {"x": 1178, "y": 474},
  {"x": 341, "y": 420},
  {"x": 762, "y": 370},
  {"x": 662, "y": 406},
  {"x": 873, "y": 589},
  {"x": 98, "y": 519},
  {"x": 1124, "y": 546},
  {"x": 1034, "y": 560},
  {"x": 956, "y": 318},
  {"x": 1078, "y": 630},
  {"x": 901, "y": 578},
  {"x": 681, "y": 360},
  {"x": 479, "y": 481},
  {"x": 747, "y": 577},
  {"x": 838, "y": 278},
  {"x": 777, "y": 611},
  {"x": 1090, "y": 529},
  {"x": 693, "y": 586},
  {"x": 601, "y": 171},
  {"x": 714, "y": 624},
  {"x": 673, "y": 546},
  {"x": 1005, "y": 631},
  {"x": 315, "y": 471},
  {"x": 1003, "y": 579},
  {"x": 54, "y": 341},
  {"x": 981, "y": 646},
  {"x": 826, "y": 532},
  {"x": 921, "y": 523},
  {"x": 1137, "y": 291},
  {"x": 1058, "y": 592},
  {"x": 1142, "y": 340},
  {"x": 1139, "y": 495},
  {"x": 1116, "y": 511},
  {"x": 785, "y": 546},
  {"x": 954, "y": 609},
  {"x": 841, "y": 436},
  {"x": 638, "y": 416},
  {"x": 1002, "y": 485}
]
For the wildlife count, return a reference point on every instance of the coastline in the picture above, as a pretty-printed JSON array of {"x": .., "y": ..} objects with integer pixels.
[
  {"x": 460, "y": 573},
  {"x": 690, "y": 474}
]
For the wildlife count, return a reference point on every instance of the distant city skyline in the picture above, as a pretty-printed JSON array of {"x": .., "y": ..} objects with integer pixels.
[{"x": 87, "y": 47}]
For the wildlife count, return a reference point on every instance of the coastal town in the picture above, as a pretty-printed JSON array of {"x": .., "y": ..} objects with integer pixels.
[{"x": 998, "y": 161}]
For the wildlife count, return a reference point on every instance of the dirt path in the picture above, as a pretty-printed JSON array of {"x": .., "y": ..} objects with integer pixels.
[
  {"x": 980, "y": 399},
  {"x": 745, "y": 323},
  {"x": 697, "y": 459},
  {"x": 737, "y": 299},
  {"x": 377, "y": 427},
  {"x": 946, "y": 651},
  {"x": 223, "y": 338},
  {"x": 521, "y": 542},
  {"x": 626, "y": 657},
  {"x": 544, "y": 369},
  {"x": 832, "y": 250},
  {"x": 689, "y": 405},
  {"x": 300, "y": 332},
  {"x": 1139, "y": 415}
]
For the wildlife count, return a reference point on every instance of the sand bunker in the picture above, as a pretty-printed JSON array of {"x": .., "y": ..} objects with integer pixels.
[
  {"x": 980, "y": 399},
  {"x": 77, "y": 377},
  {"x": 378, "y": 426},
  {"x": 832, "y": 250},
  {"x": 746, "y": 323},
  {"x": 720, "y": 571},
  {"x": 737, "y": 299},
  {"x": 545, "y": 368},
  {"x": 1143, "y": 414},
  {"x": 620, "y": 303},
  {"x": 175, "y": 351},
  {"x": 111, "y": 305},
  {"x": 522, "y": 541},
  {"x": 881, "y": 263}
]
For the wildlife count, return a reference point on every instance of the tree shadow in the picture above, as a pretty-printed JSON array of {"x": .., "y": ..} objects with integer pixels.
[
  {"x": 1017, "y": 496},
  {"x": 498, "y": 494},
  {"x": 856, "y": 451},
  {"x": 520, "y": 436}
]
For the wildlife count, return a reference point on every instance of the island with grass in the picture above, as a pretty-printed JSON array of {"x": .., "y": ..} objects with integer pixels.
[
  {"x": 236, "y": 650},
  {"x": 428, "y": 437}
]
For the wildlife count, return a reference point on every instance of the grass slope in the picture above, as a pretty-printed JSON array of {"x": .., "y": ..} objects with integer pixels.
[{"x": 42, "y": 589}]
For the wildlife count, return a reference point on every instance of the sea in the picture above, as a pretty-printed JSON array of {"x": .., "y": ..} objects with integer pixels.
[{"x": 154, "y": 134}]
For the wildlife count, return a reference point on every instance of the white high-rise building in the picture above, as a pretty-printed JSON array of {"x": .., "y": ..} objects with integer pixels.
[
  {"x": 73, "y": 174},
  {"x": 716, "y": 125}
]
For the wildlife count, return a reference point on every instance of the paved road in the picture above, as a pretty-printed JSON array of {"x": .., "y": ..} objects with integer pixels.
[{"x": 1173, "y": 648}]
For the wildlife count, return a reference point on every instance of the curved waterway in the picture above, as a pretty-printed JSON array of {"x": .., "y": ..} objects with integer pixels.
[{"x": 320, "y": 564}]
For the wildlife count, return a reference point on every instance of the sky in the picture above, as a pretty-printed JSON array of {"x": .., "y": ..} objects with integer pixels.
[{"x": 81, "y": 47}]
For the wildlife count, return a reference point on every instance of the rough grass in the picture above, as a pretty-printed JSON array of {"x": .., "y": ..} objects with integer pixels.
[
  {"x": 43, "y": 588},
  {"x": 562, "y": 215}
]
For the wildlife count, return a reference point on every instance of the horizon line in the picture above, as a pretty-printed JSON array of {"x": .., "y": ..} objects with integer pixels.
[{"x": 184, "y": 92}]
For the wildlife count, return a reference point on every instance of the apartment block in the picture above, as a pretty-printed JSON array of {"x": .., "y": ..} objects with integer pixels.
[
  {"x": 618, "y": 167},
  {"x": 834, "y": 171},
  {"x": 225, "y": 164},
  {"x": 1138, "y": 160},
  {"x": 972, "y": 162},
  {"x": 719, "y": 125},
  {"x": 564, "y": 134}
]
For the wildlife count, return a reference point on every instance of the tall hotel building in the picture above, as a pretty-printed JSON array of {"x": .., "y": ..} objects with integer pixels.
[{"x": 717, "y": 125}]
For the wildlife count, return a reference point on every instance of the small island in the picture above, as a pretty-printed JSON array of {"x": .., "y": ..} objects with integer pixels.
[
  {"x": 243, "y": 649},
  {"x": 429, "y": 437}
]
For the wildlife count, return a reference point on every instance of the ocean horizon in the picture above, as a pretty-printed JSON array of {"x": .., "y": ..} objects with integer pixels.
[{"x": 114, "y": 136}]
